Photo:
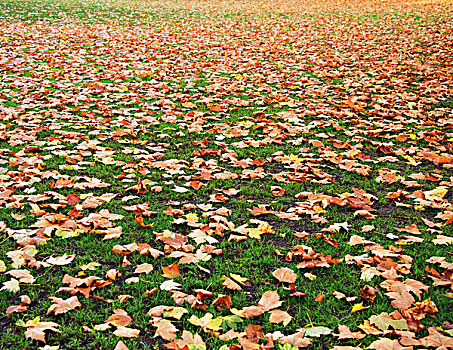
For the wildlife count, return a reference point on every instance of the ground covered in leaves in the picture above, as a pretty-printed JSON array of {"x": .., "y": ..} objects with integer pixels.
[{"x": 226, "y": 174}]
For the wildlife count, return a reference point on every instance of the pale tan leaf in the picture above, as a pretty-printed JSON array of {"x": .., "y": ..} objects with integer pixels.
[
  {"x": 285, "y": 275},
  {"x": 270, "y": 300},
  {"x": 126, "y": 332},
  {"x": 61, "y": 306},
  {"x": 279, "y": 316}
]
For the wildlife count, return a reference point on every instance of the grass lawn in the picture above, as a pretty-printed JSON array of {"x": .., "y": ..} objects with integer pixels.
[{"x": 226, "y": 174}]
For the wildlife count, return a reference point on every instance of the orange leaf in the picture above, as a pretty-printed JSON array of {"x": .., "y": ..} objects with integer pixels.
[{"x": 171, "y": 271}]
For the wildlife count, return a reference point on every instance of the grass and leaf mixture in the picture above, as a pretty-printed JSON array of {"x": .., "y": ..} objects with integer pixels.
[{"x": 250, "y": 175}]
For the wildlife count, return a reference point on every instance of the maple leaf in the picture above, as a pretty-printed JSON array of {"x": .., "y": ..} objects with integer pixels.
[
  {"x": 61, "y": 306},
  {"x": 61, "y": 260},
  {"x": 2, "y": 266},
  {"x": 444, "y": 240},
  {"x": 171, "y": 271},
  {"x": 23, "y": 276},
  {"x": 12, "y": 285},
  {"x": 384, "y": 321},
  {"x": 296, "y": 339},
  {"x": 170, "y": 285},
  {"x": 223, "y": 302},
  {"x": 251, "y": 311},
  {"x": 436, "y": 339},
  {"x": 175, "y": 312},
  {"x": 15, "y": 308},
  {"x": 315, "y": 331},
  {"x": 144, "y": 268},
  {"x": 190, "y": 341},
  {"x": 207, "y": 322},
  {"x": 36, "y": 329}
]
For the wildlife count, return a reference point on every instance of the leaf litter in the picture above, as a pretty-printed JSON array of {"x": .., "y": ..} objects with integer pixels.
[{"x": 232, "y": 175}]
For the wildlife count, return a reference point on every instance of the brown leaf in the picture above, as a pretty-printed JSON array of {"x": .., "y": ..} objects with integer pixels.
[
  {"x": 436, "y": 339},
  {"x": 15, "y": 308},
  {"x": 344, "y": 332},
  {"x": 144, "y": 268},
  {"x": 252, "y": 311},
  {"x": 223, "y": 302},
  {"x": 368, "y": 293},
  {"x": 296, "y": 339}
]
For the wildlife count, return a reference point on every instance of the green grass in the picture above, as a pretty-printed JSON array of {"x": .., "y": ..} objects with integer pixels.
[{"x": 315, "y": 99}]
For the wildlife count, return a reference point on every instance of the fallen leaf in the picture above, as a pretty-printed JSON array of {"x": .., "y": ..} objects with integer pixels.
[
  {"x": 171, "y": 271},
  {"x": 285, "y": 275},
  {"x": 358, "y": 307},
  {"x": 61, "y": 306},
  {"x": 279, "y": 316}
]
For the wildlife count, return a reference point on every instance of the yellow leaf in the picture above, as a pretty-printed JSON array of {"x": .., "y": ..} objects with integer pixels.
[
  {"x": 358, "y": 307},
  {"x": 214, "y": 324},
  {"x": 317, "y": 209},
  {"x": 238, "y": 278},
  {"x": 255, "y": 233}
]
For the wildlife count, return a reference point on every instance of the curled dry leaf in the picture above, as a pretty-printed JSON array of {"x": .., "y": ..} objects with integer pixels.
[{"x": 368, "y": 293}]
